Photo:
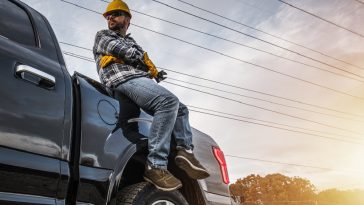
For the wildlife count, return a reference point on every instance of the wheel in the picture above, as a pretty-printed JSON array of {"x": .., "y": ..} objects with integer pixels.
[{"x": 145, "y": 193}]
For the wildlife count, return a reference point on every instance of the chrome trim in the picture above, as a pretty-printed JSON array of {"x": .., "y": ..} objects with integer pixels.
[
  {"x": 163, "y": 202},
  {"x": 41, "y": 74},
  {"x": 25, "y": 198},
  {"x": 4, "y": 37}
]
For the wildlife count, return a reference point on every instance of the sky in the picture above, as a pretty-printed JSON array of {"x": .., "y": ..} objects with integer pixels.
[{"x": 317, "y": 119}]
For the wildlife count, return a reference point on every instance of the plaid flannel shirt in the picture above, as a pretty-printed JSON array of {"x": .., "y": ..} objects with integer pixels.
[{"x": 108, "y": 42}]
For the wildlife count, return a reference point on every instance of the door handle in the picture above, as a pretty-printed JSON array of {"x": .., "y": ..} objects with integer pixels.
[{"x": 35, "y": 76}]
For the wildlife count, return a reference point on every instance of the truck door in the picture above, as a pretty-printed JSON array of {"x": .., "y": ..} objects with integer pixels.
[{"x": 32, "y": 98}]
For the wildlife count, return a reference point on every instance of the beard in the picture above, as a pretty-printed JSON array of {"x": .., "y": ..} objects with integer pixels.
[{"x": 116, "y": 26}]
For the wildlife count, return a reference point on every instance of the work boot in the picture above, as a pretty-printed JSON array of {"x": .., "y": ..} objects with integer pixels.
[
  {"x": 187, "y": 162},
  {"x": 162, "y": 179}
]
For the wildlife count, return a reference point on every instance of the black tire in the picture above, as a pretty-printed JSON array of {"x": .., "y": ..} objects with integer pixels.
[{"x": 145, "y": 193}]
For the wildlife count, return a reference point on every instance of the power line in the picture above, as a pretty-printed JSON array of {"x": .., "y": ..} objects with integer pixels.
[
  {"x": 337, "y": 139},
  {"x": 254, "y": 64},
  {"x": 79, "y": 56},
  {"x": 264, "y": 121},
  {"x": 273, "y": 44},
  {"x": 263, "y": 100},
  {"x": 269, "y": 34},
  {"x": 263, "y": 108},
  {"x": 234, "y": 58},
  {"x": 285, "y": 163},
  {"x": 277, "y": 162},
  {"x": 259, "y": 92},
  {"x": 235, "y": 93},
  {"x": 230, "y": 99},
  {"x": 91, "y": 10},
  {"x": 243, "y": 45},
  {"x": 327, "y": 21},
  {"x": 91, "y": 60},
  {"x": 275, "y": 127},
  {"x": 73, "y": 45},
  {"x": 359, "y": 1},
  {"x": 218, "y": 82}
]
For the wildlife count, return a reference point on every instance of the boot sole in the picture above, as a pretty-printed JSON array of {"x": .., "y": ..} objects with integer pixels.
[
  {"x": 162, "y": 188},
  {"x": 191, "y": 170}
]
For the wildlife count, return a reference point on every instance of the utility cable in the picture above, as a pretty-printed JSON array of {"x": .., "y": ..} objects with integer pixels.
[
  {"x": 253, "y": 64},
  {"x": 269, "y": 34},
  {"x": 327, "y": 21},
  {"x": 91, "y": 60},
  {"x": 243, "y": 45},
  {"x": 263, "y": 108},
  {"x": 263, "y": 100},
  {"x": 290, "y": 164},
  {"x": 259, "y": 92},
  {"x": 270, "y": 122},
  {"x": 259, "y": 39},
  {"x": 337, "y": 139},
  {"x": 73, "y": 45},
  {"x": 218, "y": 82},
  {"x": 79, "y": 56},
  {"x": 234, "y": 58},
  {"x": 280, "y": 128}
]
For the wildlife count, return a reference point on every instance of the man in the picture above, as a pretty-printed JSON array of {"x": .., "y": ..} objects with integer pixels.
[{"x": 124, "y": 67}]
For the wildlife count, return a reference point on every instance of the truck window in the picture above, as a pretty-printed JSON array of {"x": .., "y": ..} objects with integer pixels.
[{"x": 15, "y": 24}]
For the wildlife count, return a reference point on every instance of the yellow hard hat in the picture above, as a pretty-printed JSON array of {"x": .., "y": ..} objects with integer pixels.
[{"x": 117, "y": 5}]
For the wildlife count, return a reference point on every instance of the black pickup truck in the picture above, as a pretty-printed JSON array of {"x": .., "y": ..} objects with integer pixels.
[{"x": 61, "y": 136}]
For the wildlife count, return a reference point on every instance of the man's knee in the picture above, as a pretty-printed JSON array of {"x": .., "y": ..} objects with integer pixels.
[
  {"x": 182, "y": 110},
  {"x": 172, "y": 102}
]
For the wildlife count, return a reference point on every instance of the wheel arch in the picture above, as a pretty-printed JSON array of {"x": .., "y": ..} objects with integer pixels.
[
  {"x": 120, "y": 165},
  {"x": 133, "y": 170}
]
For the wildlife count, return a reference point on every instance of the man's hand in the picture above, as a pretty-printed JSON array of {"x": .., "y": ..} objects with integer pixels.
[{"x": 161, "y": 76}]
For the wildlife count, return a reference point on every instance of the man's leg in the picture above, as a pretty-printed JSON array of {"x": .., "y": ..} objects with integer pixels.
[
  {"x": 152, "y": 97},
  {"x": 185, "y": 158},
  {"x": 182, "y": 129}
]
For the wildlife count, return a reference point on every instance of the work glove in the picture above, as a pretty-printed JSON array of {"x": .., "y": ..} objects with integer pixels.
[
  {"x": 153, "y": 72},
  {"x": 161, "y": 76}
]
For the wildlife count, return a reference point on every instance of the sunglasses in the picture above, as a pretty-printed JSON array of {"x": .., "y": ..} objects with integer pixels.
[{"x": 116, "y": 14}]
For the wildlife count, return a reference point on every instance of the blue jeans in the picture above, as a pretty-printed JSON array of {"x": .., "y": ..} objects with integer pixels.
[{"x": 169, "y": 116}]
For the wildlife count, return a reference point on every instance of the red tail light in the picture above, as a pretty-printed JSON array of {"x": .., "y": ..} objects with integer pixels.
[{"x": 219, "y": 155}]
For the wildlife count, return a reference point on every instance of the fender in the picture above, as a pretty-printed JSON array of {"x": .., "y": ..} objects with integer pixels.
[
  {"x": 105, "y": 147},
  {"x": 120, "y": 166}
]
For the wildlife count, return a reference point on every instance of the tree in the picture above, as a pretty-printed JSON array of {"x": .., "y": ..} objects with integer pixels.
[{"x": 273, "y": 189}]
